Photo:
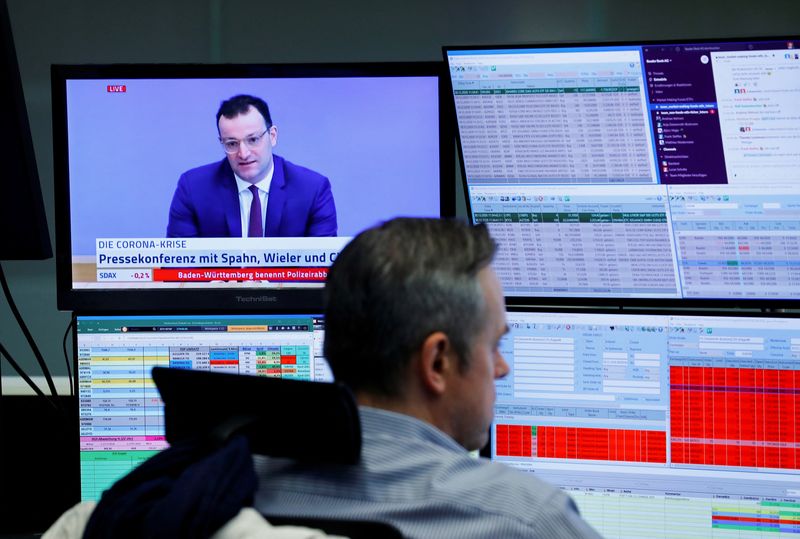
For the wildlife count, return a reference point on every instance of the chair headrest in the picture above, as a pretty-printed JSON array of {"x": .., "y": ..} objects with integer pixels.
[{"x": 308, "y": 421}]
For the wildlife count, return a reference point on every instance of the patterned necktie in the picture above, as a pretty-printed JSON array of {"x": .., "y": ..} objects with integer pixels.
[{"x": 256, "y": 228}]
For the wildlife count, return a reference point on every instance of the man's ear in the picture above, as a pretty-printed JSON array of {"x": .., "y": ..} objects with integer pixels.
[
  {"x": 437, "y": 361},
  {"x": 273, "y": 135}
]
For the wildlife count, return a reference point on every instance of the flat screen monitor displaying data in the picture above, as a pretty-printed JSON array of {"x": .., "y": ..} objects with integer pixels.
[
  {"x": 659, "y": 425},
  {"x": 153, "y": 208},
  {"x": 120, "y": 412},
  {"x": 636, "y": 171}
]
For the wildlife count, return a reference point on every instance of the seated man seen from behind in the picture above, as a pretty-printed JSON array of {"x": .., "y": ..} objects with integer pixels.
[{"x": 413, "y": 321}]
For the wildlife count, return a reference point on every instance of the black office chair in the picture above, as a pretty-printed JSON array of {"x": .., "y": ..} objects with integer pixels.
[{"x": 210, "y": 420}]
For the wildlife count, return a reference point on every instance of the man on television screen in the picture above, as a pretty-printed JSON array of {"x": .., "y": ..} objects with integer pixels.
[
  {"x": 252, "y": 192},
  {"x": 413, "y": 323}
]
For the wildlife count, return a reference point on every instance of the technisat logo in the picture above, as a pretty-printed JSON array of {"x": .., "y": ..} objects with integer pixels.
[{"x": 256, "y": 299}]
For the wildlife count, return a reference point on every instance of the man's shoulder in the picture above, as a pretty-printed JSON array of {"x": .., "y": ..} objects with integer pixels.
[
  {"x": 295, "y": 171},
  {"x": 455, "y": 482},
  {"x": 485, "y": 474},
  {"x": 416, "y": 477},
  {"x": 400, "y": 445},
  {"x": 482, "y": 477},
  {"x": 210, "y": 171}
]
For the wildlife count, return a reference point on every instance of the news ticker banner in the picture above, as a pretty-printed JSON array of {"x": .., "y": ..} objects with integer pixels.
[{"x": 216, "y": 259}]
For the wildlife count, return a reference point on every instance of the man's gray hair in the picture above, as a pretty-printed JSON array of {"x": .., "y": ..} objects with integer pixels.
[{"x": 393, "y": 286}]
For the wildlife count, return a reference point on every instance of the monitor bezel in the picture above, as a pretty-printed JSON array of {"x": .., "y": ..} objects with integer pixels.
[
  {"x": 554, "y": 302},
  {"x": 191, "y": 300}
]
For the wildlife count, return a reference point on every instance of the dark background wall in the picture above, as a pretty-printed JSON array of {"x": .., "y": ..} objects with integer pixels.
[{"x": 236, "y": 31}]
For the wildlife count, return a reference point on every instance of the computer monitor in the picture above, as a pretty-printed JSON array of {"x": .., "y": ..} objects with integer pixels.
[
  {"x": 354, "y": 145},
  {"x": 633, "y": 172},
  {"x": 657, "y": 425},
  {"x": 120, "y": 412}
]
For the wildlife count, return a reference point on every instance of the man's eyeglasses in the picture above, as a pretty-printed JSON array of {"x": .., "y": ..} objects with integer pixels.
[{"x": 232, "y": 145}]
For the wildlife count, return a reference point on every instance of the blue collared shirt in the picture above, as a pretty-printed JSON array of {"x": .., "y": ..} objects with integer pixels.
[{"x": 416, "y": 477}]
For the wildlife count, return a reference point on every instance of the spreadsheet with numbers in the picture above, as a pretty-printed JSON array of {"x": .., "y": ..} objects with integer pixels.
[
  {"x": 121, "y": 416},
  {"x": 594, "y": 127},
  {"x": 558, "y": 142},
  {"x": 657, "y": 425}
]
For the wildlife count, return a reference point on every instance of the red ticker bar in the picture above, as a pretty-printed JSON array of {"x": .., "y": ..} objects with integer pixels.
[{"x": 304, "y": 275}]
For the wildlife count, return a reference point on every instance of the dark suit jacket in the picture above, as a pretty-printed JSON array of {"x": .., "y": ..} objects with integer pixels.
[{"x": 206, "y": 203}]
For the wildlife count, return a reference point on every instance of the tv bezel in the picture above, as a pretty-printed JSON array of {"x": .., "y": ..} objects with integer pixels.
[
  {"x": 554, "y": 302},
  {"x": 193, "y": 300}
]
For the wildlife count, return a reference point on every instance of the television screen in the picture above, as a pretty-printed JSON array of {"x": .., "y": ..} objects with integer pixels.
[
  {"x": 154, "y": 166},
  {"x": 657, "y": 425},
  {"x": 120, "y": 412},
  {"x": 636, "y": 171}
]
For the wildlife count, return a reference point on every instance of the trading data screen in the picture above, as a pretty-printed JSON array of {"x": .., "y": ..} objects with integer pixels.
[
  {"x": 121, "y": 414},
  {"x": 667, "y": 171},
  {"x": 658, "y": 426}
]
